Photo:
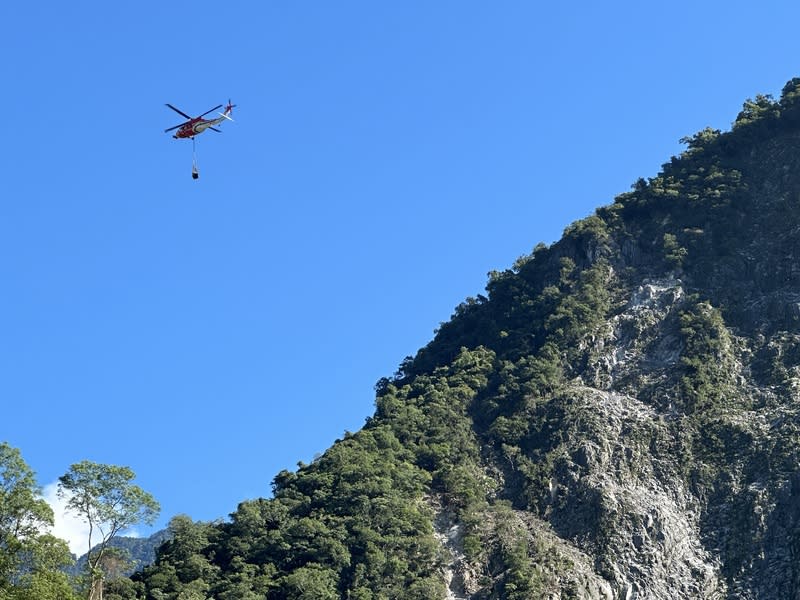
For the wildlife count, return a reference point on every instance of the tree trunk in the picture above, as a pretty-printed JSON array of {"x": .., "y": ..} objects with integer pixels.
[{"x": 96, "y": 589}]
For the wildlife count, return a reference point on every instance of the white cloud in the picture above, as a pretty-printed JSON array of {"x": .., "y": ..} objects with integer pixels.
[{"x": 67, "y": 526}]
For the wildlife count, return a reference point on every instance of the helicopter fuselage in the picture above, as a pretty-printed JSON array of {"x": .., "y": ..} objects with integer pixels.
[{"x": 196, "y": 127}]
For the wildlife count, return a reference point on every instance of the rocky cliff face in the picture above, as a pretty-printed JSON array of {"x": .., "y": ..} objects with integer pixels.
[
  {"x": 617, "y": 418},
  {"x": 662, "y": 460}
]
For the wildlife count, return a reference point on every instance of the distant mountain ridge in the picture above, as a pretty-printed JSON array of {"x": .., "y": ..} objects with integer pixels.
[
  {"x": 140, "y": 551},
  {"x": 618, "y": 417}
]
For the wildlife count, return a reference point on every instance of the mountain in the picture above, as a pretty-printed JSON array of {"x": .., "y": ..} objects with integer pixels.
[
  {"x": 616, "y": 418},
  {"x": 138, "y": 552}
]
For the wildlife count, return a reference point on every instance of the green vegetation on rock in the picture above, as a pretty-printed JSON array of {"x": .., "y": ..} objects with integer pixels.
[{"x": 615, "y": 415}]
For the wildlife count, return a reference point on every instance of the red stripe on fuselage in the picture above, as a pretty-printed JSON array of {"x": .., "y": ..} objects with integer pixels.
[{"x": 197, "y": 126}]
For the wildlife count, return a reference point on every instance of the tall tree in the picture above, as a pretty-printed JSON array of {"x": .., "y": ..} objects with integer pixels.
[{"x": 107, "y": 500}]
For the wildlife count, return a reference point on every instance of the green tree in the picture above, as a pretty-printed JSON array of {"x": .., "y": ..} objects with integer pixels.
[
  {"x": 44, "y": 578},
  {"x": 104, "y": 497},
  {"x": 311, "y": 582},
  {"x": 30, "y": 558}
]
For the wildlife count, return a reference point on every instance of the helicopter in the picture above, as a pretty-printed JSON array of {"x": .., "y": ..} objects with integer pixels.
[{"x": 197, "y": 125}]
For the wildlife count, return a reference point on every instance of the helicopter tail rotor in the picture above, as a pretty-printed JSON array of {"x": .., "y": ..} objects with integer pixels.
[{"x": 228, "y": 109}]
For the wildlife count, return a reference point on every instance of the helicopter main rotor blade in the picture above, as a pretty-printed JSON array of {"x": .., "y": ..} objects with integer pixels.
[
  {"x": 176, "y": 126},
  {"x": 215, "y": 129},
  {"x": 180, "y": 112},
  {"x": 208, "y": 111}
]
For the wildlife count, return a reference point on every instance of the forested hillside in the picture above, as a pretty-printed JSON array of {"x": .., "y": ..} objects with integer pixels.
[{"x": 616, "y": 417}]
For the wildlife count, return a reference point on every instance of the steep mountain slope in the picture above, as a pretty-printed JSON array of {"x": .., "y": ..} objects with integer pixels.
[{"x": 616, "y": 418}]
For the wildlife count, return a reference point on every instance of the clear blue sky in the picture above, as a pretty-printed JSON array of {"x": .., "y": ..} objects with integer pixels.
[{"x": 385, "y": 156}]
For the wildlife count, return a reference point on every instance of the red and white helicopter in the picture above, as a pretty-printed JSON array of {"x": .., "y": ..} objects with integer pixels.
[{"x": 197, "y": 125}]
